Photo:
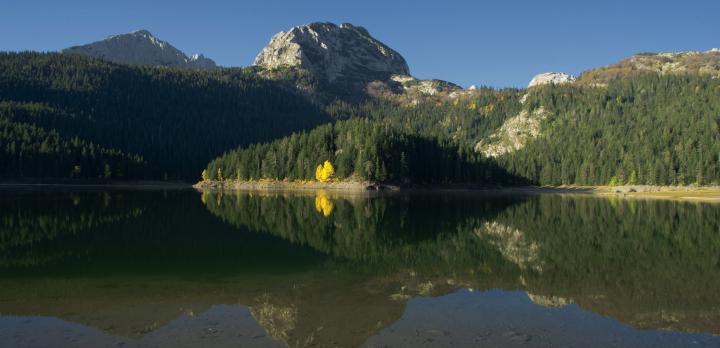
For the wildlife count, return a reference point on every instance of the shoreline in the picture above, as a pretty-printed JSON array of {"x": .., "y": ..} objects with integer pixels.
[
  {"x": 707, "y": 194},
  {"x": 277, "y": 185},
  {"x": 710, "y": 194}
]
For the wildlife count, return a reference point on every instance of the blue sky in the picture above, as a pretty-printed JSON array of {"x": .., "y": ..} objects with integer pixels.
[{"x": 497, "y": 43}]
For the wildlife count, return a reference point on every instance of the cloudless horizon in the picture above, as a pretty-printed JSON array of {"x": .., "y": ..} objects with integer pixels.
[{"x": 466, "y": 42}]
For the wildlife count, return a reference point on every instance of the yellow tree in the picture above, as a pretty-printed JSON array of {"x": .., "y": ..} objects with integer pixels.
[
  {"x": 205, "y": 176},
  {"x": 324, "y": 172}
]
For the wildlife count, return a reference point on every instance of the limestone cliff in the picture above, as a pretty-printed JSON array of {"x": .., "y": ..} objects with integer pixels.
[
  {"x": 554, "y": 78},
  {"x": 335, "y": 53}
]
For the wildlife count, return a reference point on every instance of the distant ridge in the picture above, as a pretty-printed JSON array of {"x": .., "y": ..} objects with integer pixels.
[
  {"x": 141, "y": 47},
  {"x": 688, "y": 62}
]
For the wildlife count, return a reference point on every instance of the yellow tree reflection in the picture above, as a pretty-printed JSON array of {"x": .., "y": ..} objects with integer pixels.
[{"x": 323, "y": 204}]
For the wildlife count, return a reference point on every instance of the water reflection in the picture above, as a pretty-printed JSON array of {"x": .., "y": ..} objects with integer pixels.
[
  {"x": 323, "y": 204},
  {"x": 331, "y": 270}
]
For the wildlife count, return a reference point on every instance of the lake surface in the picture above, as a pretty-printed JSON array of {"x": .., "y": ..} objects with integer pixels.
[{"x": 181, "y": 269}]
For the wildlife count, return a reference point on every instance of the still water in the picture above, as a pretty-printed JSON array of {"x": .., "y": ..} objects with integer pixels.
[{"x": 184, "y": 269}]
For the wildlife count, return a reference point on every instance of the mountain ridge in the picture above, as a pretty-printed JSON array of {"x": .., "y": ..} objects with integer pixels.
[
  {"x": 680, "y": 62},
  {"x": 347, "y": 53},
  {"x": 141, "y": 47}
]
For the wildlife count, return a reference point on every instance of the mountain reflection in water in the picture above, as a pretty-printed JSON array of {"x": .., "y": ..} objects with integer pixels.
[{"x": 182, "y": 268}]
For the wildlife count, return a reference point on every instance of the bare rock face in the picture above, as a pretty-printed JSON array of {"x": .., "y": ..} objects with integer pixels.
[
  {"x": 199, "y": 61},
  {"x": 333, "y": 52},
  {"x": 141, "y": 47},
  {"x": 514, "y": 134},
  {"x": 554, "y": 78},
  {"x": 414, "y": 86}
]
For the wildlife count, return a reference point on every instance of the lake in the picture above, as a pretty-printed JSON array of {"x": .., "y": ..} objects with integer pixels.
[{"x": 178, "y": 268}]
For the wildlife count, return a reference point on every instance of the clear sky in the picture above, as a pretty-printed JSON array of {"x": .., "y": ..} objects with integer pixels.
[{"x": 494, "y": 43}]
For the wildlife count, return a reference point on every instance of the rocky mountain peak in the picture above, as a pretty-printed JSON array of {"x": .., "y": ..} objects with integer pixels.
[
  {"x": 345, "y": 52},
  {"x": 555, "y": 78},
  {"x": 141, "y": 47}
]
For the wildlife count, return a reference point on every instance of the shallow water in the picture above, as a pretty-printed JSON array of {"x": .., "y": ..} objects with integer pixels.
[{"x": 179, "y": 268}]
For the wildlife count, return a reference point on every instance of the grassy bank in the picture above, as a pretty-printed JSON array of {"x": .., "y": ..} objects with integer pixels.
[{"x": 682, "y": 193}]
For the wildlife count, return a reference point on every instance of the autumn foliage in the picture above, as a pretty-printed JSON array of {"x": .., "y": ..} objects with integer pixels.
[{"x": 324, "y": 171}]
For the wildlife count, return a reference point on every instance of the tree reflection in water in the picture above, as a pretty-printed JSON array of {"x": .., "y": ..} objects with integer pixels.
[{"x": 337, "y": 269}]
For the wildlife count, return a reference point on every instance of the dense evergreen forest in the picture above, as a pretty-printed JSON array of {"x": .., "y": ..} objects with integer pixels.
[
  {"x": 29, "y": 150},
  {"x": 648, "y": 129},
  {"x": 387, "y": 140},
  {"x": 67, "y": 116},
  {"x": 461, "y": 120},
  {"x": 72, "y": 116},
  {"x": 360, "y": 149}
]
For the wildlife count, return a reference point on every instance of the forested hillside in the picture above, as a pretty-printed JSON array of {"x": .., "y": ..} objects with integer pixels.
[
  {"x": 359, "y": 148},
  {"x": 462, "y": 119},
  {"x": 67, "y": 116},
  {"x": 28, "y": 150},
  {"x": 648, "y": 129},
  {"x": 71, "y": 116},
  {"x": 645, "y": 129}
]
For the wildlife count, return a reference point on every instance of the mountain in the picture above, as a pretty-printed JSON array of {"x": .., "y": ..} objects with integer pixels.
[
  {"x": 651, "y": 118},
  {"x": 344, "y": 53},
  {"x": 349, "y": 62},
  {"x": 141, "y": 47}
]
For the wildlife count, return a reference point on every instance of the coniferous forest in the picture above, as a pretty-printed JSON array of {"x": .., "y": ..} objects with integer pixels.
[
  {"x": 360, "y": 148},
  {"x": 649, "y": 129},
  {"x": 68, "y": 116}
]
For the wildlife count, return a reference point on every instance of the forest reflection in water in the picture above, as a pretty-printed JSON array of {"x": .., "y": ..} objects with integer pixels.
[{"x": 338, "y": 270}]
